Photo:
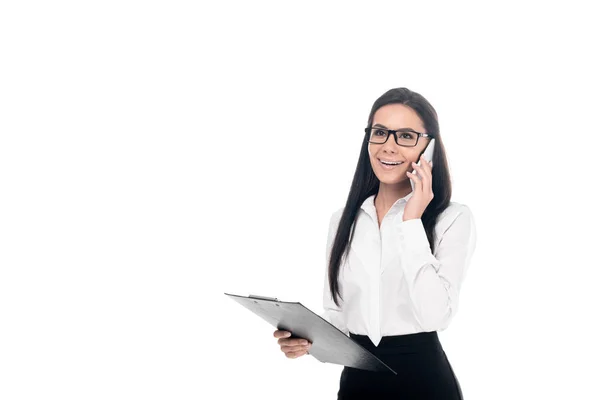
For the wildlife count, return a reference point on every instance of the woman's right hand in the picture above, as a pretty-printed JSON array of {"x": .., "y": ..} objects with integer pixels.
[{"x": 293, "y": 348}]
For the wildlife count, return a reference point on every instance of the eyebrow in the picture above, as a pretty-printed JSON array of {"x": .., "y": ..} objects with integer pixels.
[{"x": 385, "y": 127}]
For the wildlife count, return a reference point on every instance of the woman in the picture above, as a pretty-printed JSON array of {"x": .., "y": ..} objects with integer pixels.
[{"x": 396, "y": 258}]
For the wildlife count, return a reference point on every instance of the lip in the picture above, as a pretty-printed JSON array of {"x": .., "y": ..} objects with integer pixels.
[
  {"x": 391, "y": 160},
  {"x": 389, "y": 167}
]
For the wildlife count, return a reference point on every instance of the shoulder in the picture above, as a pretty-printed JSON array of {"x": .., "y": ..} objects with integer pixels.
[
  {"x": 335, "y": 217},
  {"x": 454, "y": 209},
  {"x": 337, "y": 214},
  {"x": 455, "y": 213}
]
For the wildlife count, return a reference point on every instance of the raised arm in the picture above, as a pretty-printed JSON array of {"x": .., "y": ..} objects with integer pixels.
[{"x": 434, "y": 281}]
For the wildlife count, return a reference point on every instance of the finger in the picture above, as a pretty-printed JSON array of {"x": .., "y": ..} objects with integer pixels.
[
  {"x": 430, "y": 165},
  {"x": 427, "y": 177},
  {"x": 415, "y": 179},
  {"x": 292, "y": 342},
  {"x": 291, "y": 349},
  {"x": 419, "y": 169},
  {"x": 424, "y": 175},
  {"x": 295, "y": 354},
  {"x": 425, "y": 164},
  {"x": 424, "y": 172},
  {"x": 281, "y": 334}
]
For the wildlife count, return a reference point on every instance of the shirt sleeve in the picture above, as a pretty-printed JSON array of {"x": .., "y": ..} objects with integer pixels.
[
  {"x": 332, "y": 313},
  {"x": 434, "y": 281}
]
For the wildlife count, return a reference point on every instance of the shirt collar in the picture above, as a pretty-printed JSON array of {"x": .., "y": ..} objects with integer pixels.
[{"x": 369, "y": 204}]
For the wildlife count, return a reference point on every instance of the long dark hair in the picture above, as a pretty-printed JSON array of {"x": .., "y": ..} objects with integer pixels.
[{"x": 366, "y": 183}]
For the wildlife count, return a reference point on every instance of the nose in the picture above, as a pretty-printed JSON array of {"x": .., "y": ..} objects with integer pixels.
[{"x": 390, "y": 144}]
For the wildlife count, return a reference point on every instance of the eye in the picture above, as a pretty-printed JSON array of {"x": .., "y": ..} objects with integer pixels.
[{"x": 380, "y": 132}]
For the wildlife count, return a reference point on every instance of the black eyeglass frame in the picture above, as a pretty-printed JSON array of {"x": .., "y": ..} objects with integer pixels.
[{"x": 394, "y": 132}]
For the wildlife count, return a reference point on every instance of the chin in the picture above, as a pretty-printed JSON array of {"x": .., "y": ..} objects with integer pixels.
[{"x": 391, "y": 181}]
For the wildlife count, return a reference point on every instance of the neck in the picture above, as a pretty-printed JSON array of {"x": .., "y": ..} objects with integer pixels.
[{"x": 389, "y": 194}]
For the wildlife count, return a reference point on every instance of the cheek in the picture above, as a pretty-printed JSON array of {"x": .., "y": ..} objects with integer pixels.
[
  {"x": 371, "y": 159},
  {"x": 412, "y": 156}
]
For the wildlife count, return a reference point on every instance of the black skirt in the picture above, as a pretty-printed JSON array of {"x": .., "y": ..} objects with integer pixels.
[{"x": 423, "y": 369}]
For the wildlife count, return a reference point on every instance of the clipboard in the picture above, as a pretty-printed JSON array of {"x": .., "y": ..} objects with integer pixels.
[{"x": 329, "y": 344}]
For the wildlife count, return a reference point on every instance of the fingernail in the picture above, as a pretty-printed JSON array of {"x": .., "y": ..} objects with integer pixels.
[{"x": 287, "y": 334}]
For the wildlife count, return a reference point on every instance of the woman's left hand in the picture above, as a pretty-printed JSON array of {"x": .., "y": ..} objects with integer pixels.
[{"x": 423, "y": 193}]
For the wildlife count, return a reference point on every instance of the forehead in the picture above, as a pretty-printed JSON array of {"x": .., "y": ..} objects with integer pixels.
[{"x": 396, "y": 116}]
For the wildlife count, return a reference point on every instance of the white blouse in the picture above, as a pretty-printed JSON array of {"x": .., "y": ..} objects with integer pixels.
[{"x": 391, "y": 283}]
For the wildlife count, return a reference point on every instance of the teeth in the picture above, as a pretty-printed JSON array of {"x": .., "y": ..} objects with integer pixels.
[{"x": 390, "y": 163}]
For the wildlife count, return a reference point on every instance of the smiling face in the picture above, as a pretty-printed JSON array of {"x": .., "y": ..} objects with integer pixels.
[{"x": 396, "y": 116}]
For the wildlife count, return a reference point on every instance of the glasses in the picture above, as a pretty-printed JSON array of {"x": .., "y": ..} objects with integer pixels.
[{"x": 404, "y": 137}]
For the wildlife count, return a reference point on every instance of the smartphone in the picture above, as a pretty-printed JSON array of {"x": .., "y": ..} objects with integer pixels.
[{"x": 428, "y": 155}]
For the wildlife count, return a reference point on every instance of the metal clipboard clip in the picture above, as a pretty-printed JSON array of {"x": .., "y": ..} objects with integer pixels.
[{"x": 254, "y": 296}]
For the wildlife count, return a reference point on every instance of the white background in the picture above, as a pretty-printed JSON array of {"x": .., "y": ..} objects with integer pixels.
[{"x": 123, "y": 220}]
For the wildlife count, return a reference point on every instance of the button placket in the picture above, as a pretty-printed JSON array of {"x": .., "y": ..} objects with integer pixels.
[{"x": 373, "y": 258}]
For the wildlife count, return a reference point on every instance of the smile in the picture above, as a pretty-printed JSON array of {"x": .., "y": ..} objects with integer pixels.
[{"x": 389, "y": 166}]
